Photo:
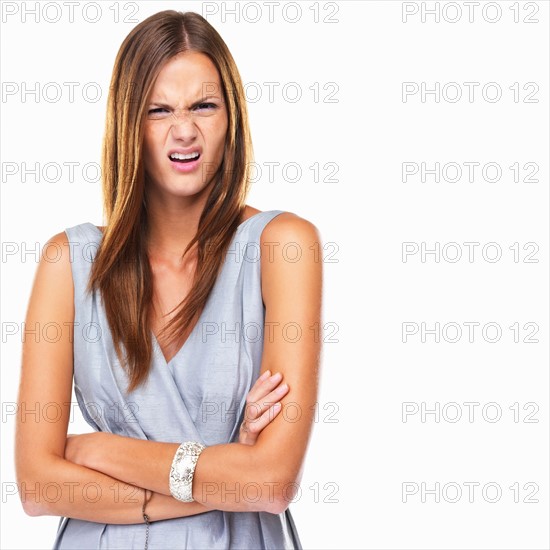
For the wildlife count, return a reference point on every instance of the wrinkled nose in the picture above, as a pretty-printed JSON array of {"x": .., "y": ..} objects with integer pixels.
[{"x": 183, "y": 125}]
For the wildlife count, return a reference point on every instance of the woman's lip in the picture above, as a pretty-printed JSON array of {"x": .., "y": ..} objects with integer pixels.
[
  {"x": 185, "y": 167},
  {"x": 185, "y": 151}
]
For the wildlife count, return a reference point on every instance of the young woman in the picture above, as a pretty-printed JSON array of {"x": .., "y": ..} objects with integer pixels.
[{"x": 187, "y": 322}]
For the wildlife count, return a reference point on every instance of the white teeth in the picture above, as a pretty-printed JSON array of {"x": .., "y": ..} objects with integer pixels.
[{"x": 180, "y": 156}]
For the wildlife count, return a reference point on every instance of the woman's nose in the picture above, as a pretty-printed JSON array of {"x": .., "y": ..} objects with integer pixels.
[{"x": 183, "y": 125}]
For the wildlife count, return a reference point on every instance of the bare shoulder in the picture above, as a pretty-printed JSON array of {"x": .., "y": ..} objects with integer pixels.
[
  {"x": 53, "y": 282},
  {"x": 288, "y": 227},
  {"x": 291, "y": 272},
  {"x": 59, "y": 239},
  {"x": 56, "y": 256}
]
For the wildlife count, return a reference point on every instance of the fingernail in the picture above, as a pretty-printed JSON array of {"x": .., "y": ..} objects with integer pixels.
[
  {"x": 276, "y": 375},
  {"x": 265, "y": 374},
  {"x": 277, "y": 405}
]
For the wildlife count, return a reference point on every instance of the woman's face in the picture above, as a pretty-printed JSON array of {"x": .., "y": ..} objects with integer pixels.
[{"x": 186, "y": 125}]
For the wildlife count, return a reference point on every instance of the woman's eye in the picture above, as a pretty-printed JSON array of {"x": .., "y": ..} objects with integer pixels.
[
  {"x": 158, "y": 113},
  {"x": 206, "y": 106}
]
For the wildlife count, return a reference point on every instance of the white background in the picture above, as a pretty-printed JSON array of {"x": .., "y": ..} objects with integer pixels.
[{"x": 362, "y": 450}]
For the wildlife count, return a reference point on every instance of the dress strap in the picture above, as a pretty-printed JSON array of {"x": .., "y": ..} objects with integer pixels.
[{"x": 83, "y": 240}]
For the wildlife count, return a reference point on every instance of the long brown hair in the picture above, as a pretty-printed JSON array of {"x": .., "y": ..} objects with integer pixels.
[{"x": 121, "y": 270}]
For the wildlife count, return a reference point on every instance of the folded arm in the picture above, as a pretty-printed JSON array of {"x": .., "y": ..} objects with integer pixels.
[
  {"x": 262, "y": 477},
  {"x": 60, "y": 488}
]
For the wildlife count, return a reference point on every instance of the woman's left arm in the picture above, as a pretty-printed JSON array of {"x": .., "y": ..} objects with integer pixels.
[{"x": 263, "y": 476}]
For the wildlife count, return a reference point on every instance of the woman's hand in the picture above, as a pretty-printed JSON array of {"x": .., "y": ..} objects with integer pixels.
[{"x": 262, "y": 406}]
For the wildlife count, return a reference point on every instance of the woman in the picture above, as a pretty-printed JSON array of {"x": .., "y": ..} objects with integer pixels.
[{"x": 189, "y": 323}]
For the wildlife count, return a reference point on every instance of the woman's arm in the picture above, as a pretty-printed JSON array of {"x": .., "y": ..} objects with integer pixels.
[
  {"x": 48, "y": 483},
  {"x": 262, "y": 477},
  {"x": 81, "y": 449},
  {"x": 81, "y": 493}
]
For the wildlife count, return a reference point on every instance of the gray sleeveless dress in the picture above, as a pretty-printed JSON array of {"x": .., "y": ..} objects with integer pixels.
[{"x": 199, "y": 395}]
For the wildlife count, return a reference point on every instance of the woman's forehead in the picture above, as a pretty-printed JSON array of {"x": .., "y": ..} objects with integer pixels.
[
  {"x": 188, "y": 67},
  {"x": 191, "y": 75}
]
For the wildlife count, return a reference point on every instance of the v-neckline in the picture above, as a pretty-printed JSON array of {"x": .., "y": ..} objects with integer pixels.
[{"x": 184, "y": 345}]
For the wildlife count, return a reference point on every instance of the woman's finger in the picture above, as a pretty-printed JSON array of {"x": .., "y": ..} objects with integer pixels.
[
  {"x": 256, "y": 426},
  {"x": 262, "y": 387},
  {"x": 261, "y": 380},
  {"x": 256, "y": 409}
]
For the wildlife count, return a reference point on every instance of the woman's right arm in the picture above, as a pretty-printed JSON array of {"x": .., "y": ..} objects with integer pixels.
[{"x": 49, "y": 484}]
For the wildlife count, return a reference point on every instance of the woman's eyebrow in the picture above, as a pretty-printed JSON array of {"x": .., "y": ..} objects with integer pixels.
[{"x": 202, "y": 100}]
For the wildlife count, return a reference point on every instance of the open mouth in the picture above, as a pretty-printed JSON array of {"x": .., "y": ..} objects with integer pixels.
[{"x": 181, "y": 158}]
